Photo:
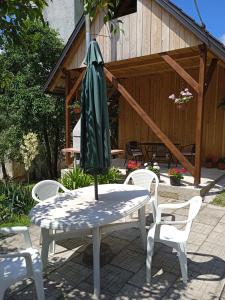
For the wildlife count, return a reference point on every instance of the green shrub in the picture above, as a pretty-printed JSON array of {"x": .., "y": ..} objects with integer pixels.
[
  {"x": 15, "y": 200},
  {"x": 112, "y": 176},
  {"x": 76, "y": 178}
]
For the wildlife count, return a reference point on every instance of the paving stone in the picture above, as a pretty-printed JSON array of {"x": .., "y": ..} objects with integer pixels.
[
  {"x": 116, "y": 244},
  {"x": 127, "y": 234},
  {"x": 207, "y": 264},
  {"x": 112, "y": 278},
  {"x": 160, "y": 282},
  {"x": 201, "y": 228},
  {"x": 216, "y": 251},
  {"x": 220, "y": 227},
  {"x": 130, "y": 292},
  {"x": 216, "y": 237},
  {"x": 223, "y": 219},
  {"x": 196, "y": 238},
  {"x": 196, "y": 289},
  {"x": 129, "y": 260}
]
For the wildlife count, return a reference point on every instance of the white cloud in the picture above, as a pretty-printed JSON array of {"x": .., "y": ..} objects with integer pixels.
[{"x": 223, "y": 38}]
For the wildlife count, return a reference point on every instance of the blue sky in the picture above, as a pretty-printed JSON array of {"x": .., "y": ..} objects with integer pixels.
[{"x": 212, "y": 12}]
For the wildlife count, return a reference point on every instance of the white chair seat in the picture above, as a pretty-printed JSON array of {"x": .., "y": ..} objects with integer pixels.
[
  {"x": 10, "y": 264},
  {"x": 171, "y": 233}
]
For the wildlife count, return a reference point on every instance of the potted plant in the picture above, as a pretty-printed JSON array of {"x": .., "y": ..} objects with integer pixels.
[
  {"x": 209, "y": 162},
  {"x": 176, "y": 175},
  {"x": 132, "y": 165},
  {"x": 221, "y": 163},
  {"x": 184, "y": 97},
  {"x": 155, "y": 168}
]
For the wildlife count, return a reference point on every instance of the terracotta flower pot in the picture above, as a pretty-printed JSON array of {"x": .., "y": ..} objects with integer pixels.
[
  {"x": 221, "y": 166},
  {"x": 209, "y": 164},
  {"x": 174, "y": 181}
]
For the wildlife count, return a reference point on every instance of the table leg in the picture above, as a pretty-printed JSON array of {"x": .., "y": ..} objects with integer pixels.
[
  {"x": 142, "y": 226},
  {"x": 96, "y": 261},
  {"x": 45, "y": 247}
]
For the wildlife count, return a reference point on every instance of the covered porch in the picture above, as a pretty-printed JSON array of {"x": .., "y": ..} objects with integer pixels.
[{"x": 142, "y": 86}]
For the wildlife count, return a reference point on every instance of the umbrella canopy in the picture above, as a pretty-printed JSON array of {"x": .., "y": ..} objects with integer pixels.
[{"x": 95, "y": 138}]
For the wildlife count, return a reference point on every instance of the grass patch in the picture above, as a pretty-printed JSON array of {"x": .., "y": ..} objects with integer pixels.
[
  {"x": 219, "y": 200},
  {"x": 17, "y": 221}
]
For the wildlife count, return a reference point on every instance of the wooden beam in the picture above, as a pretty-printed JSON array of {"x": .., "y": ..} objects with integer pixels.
[
  {"x": 75, "y": 87},
  {"x": 181, "y": 71},
  {"x": 210, "y": 73},
  {"x": 145, "y": 117},
  {"x": 67, "y": 119},
  {"x": 199, "y": 116}
]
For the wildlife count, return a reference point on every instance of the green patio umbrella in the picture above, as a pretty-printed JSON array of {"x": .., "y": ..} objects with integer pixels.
[{"x": 95, "y": 138}]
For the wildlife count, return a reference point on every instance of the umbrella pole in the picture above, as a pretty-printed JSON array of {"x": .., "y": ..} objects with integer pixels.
[{"x": 96, "y": 186}]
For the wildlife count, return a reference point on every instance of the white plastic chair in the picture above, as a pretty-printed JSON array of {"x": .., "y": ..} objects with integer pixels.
[
  {"x": 44, "y": 190},
  {"x": 19, "y": 265},
  {"x": 145, "y": 179},
  {"x": 165, "y": 233}
]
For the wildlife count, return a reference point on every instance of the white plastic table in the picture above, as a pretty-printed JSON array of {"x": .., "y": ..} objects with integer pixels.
[{"x": 80, "y": 211}]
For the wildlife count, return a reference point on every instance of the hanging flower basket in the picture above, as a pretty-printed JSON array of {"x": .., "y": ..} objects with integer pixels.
[
  {"x": 181, "y": 101},
  {"x": 76, "y": 110}
]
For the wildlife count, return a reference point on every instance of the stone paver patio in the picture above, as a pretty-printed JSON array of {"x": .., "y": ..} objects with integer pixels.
[{"x": 124, "y": 277}]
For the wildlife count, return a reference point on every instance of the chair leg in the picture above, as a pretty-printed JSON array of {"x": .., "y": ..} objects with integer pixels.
[
  {"x": 45, "y": 247},
  {"x": 150, "y": 251},
  {"x": 38, "y": 281},
  {"x": 2, "y": 292},
  {"x": 142, "y": 226},
  {"x": 183, "y": 262}
]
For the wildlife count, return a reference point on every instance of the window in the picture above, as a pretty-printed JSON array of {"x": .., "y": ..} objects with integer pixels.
[{"x": 125, "y": 7}]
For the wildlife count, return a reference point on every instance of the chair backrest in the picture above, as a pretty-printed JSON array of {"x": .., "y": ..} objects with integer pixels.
[
  {"x": 45, "y": 189},
  {"x": 145, "y": 178},
  {"x": 195, "y": 205}
]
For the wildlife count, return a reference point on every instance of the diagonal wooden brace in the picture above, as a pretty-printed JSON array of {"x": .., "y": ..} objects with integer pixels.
[
  {"x": 145, "y": 117},
  {"x": 181, "y": 71}
]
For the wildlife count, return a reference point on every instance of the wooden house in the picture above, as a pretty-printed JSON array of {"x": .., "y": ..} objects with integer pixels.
[{"x": 160, "y": 51}]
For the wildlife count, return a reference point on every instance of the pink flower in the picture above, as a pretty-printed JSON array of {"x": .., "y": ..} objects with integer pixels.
[{"x": 172, "y": 97}]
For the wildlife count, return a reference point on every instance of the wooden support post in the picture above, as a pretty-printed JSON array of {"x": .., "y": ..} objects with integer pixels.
[
  {"x": 145, "y": 117},
  {"x": 181, "y": 71},
  {"x": 199, "y": 116},
  {"x": 210, "y": 73},
  {"x": 68, "y": 120}
]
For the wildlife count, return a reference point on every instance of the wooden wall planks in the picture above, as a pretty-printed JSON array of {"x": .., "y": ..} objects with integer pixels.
[
  {"x": 148, "y": 31},
  {"x": 178, "y": 125}
]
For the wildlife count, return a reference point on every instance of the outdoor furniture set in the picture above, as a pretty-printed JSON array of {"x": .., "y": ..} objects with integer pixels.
[
  {"x": 77, "y": 213},
  {"x": 156, "y": 152}
]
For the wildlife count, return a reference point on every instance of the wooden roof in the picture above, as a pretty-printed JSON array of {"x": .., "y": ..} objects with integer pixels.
[{"x": 158, "y": 26}]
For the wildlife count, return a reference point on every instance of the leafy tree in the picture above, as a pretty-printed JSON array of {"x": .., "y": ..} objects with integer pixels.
[
  {"x": 13, "y": 16},
  {"x": 92, "y": 7},
  {"x": 24, "y": 105}
]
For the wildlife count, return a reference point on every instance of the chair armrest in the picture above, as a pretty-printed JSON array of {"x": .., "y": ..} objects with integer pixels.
[
  {"x": 15, "y": 230},
  {"x": 162, "y": 207},
  {"x": 22, "y": 253}
]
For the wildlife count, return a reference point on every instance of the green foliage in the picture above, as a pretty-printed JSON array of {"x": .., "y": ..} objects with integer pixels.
[
  {"x": 108, "y": 7},
  {"x": 75, "y": 179},
  {"x": 112, "y": 176},
  {"x": 219, "y": 200},
  {"x": 23, "y": 105},
  {"x": 13, "y": 16},
  {"x": 15, "y": 200},
  {"x": 17, "y": 221}
]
